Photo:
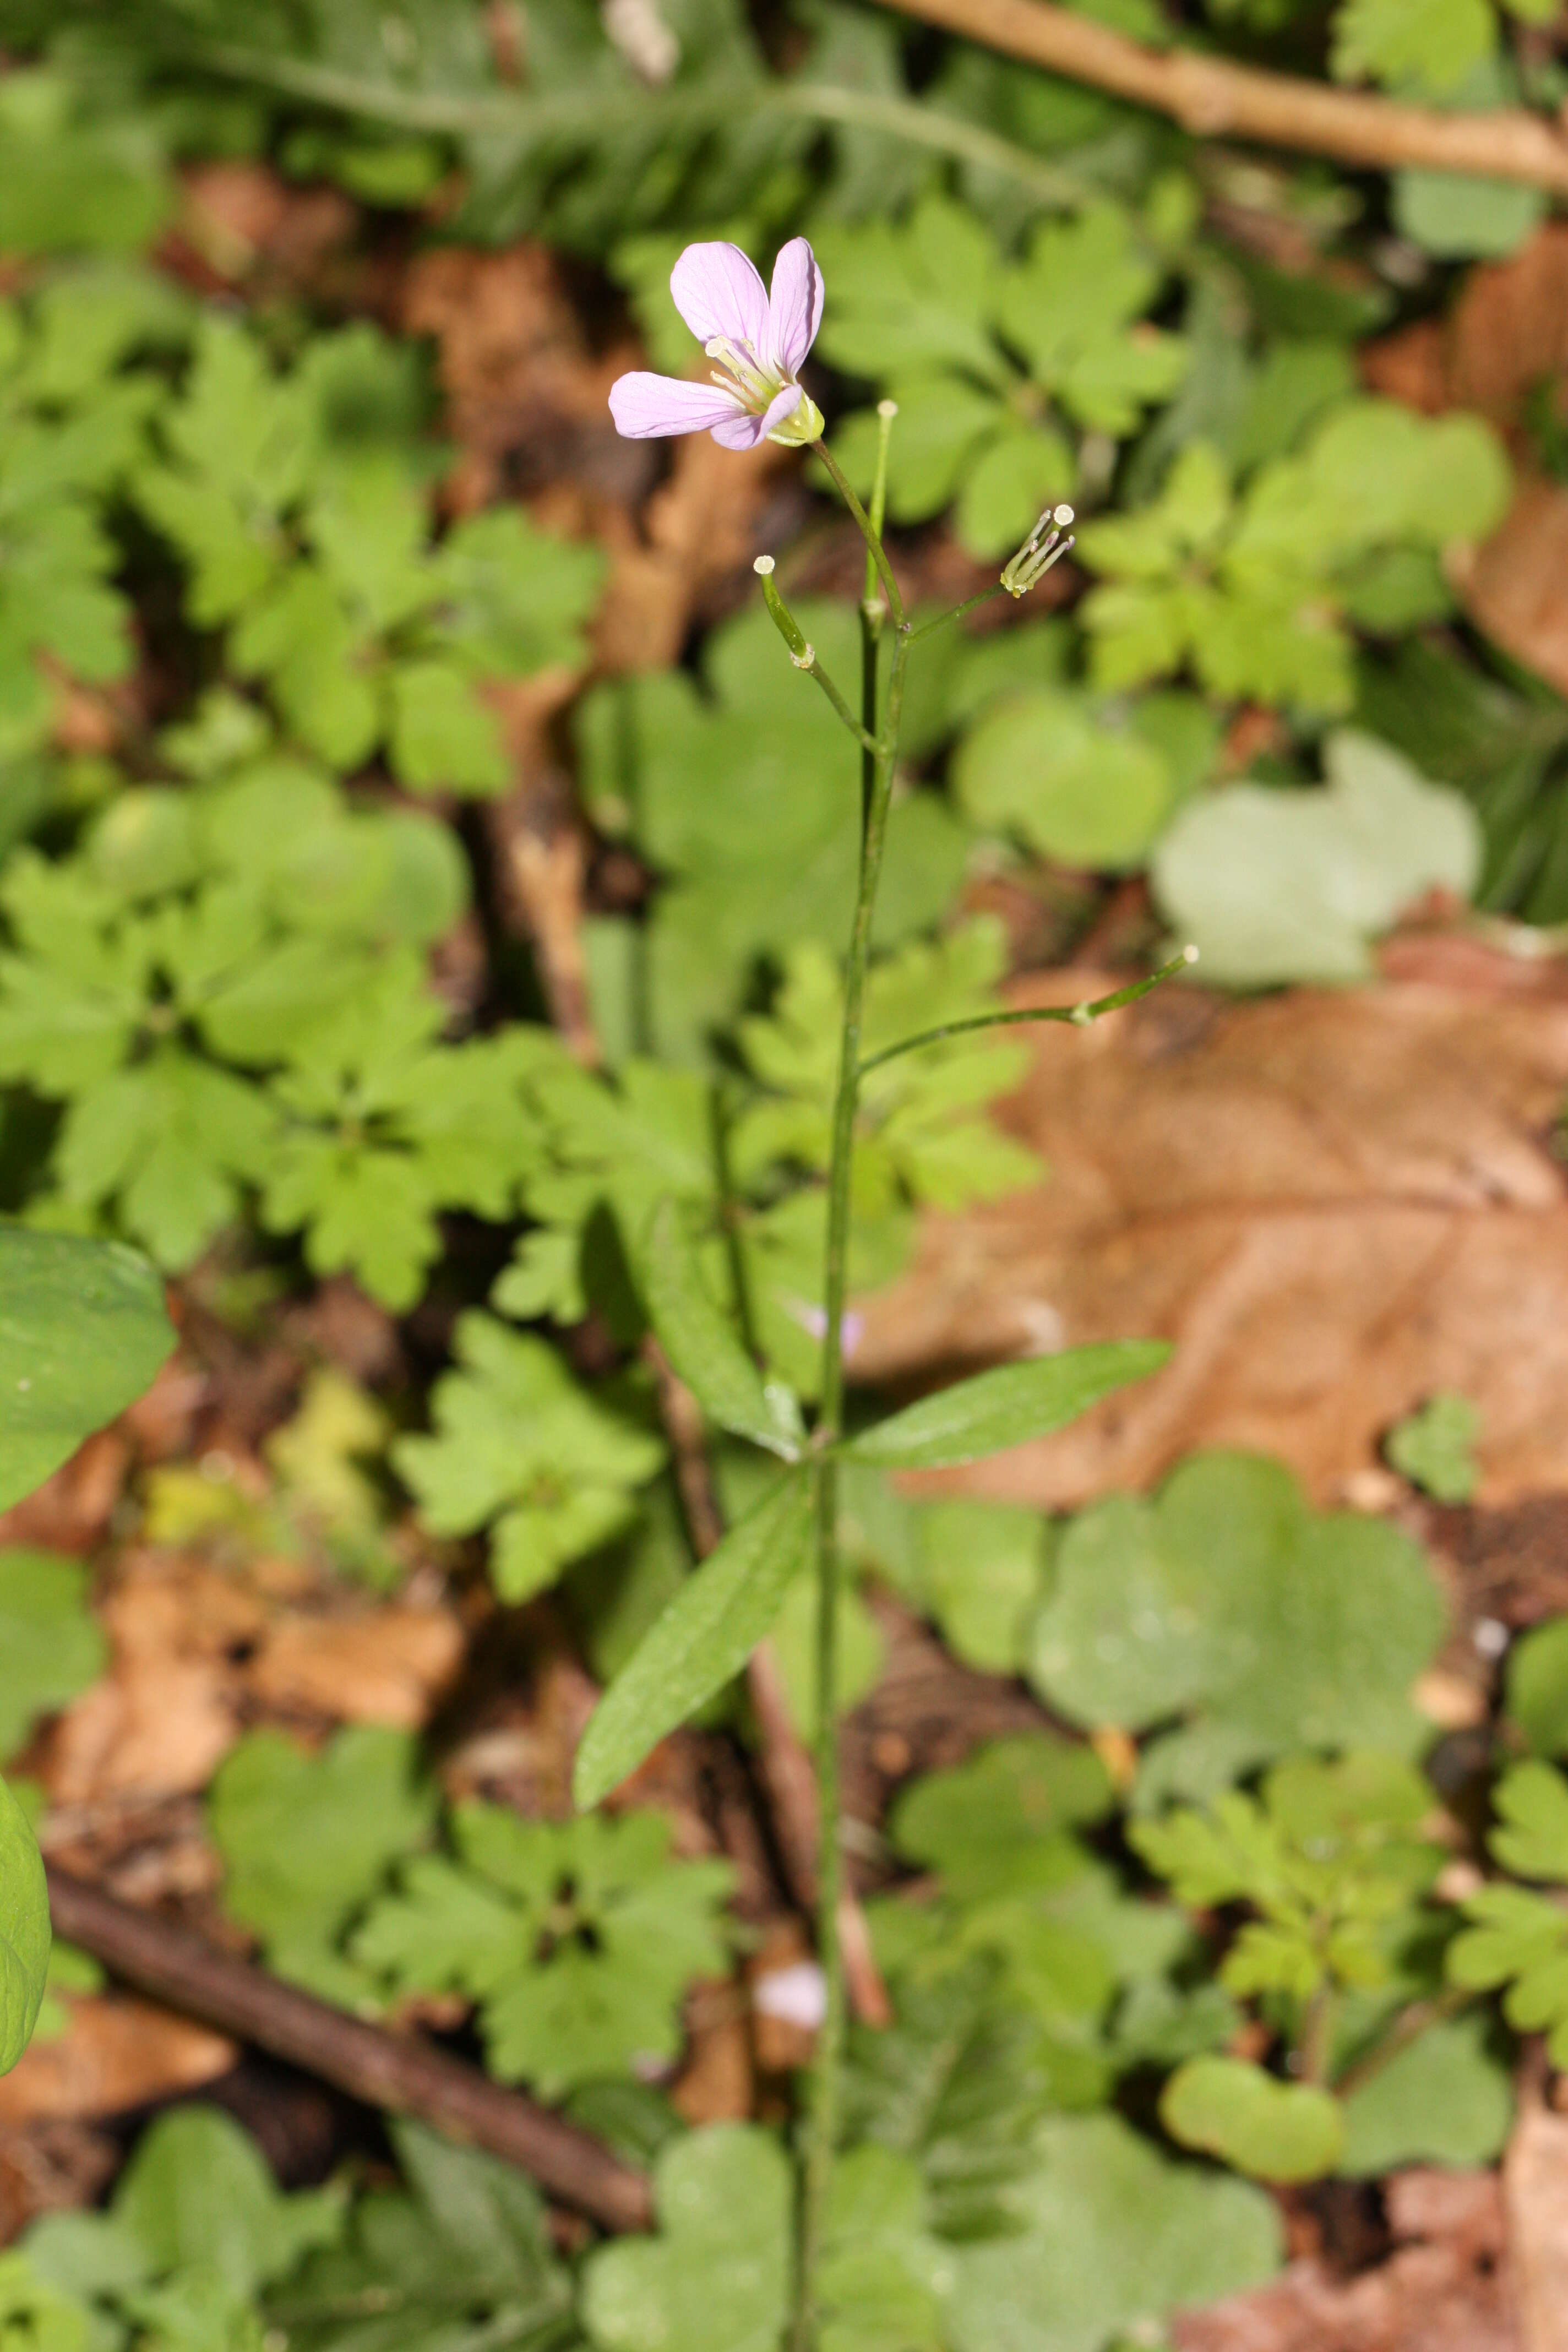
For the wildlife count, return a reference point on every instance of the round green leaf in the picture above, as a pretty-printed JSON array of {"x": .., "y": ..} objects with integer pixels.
[
  {"x": 1043, "y": 766},
  {"x": 51, "y": 1645},
  {"x": 24, "y": 1930},
  {"x": 994, "y": 1825},
  {"x": 716, "y": 2279},
  {"x": 1446, "y": 2098},
  {"x": 1026, "y": 469},
  {"x": 1269, "y": 2129},
  {"x": 1107, "y": 2237},
  {"x": 1538, "y": 1687},
  {"x": 82, "y": 1331},
  {"x": 1458, "y": 217}
]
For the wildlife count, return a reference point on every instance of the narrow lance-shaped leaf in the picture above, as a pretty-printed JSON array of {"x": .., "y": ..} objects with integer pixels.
[
  {"x": 82, "y": 1331},
  {"x": 1006, "y": 1407},
  {"x": 702, "y": 1640},
  {"x": 703, "y": 1347},
  {"x": 24, "y": 1930}
]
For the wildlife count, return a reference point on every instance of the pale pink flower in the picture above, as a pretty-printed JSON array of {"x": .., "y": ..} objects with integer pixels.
[{"x": 760, "y": 340}]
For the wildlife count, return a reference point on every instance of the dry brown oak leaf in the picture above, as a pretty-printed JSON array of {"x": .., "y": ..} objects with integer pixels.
[
  {"x": 1535, "y": 2200},
  {"x": 1335, "y": 1203},
  {"x": 1445, "y": 2287},
  {"x": 1504, "y": 344},
  {"x": 116, "y": 2054},
  {"x": 194, "y": 1649}
]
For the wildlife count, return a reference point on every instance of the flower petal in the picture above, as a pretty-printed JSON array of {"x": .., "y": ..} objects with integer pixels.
[
  {"x": 647, "y": 407},
  {"x": 745, "y": 431},
  {"x": 718, "y": 293},
  {"x": 783, "y": 403},
  {"x": 794, "y": 307},
  {"x": 742, "y": 432}
]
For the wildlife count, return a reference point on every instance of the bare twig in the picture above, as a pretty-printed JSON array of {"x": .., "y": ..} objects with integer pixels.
[
  {"x": 540, "y": 849},
  {"x": 391, "y": 2070},
  {"x": 1212, "y": 97}
]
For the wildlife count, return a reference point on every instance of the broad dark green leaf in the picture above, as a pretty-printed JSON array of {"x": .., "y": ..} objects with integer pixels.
[
  {"x": 1006, "y": 1407},
  {"x": 24, "y": 1930},
  {"x": 702, "y": 1640},
  {"x": 703, "y": 1347},
  {"x": 82, "y": 1331}
]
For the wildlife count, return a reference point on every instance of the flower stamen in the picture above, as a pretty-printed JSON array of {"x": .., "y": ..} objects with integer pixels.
[
  {"x": 755, "y": 384},
  {"x": 1045, "y": 546}
]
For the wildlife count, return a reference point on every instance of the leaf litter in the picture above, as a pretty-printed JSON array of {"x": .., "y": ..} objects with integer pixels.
[
  {"x": 1505, "y": 342},
  {"x": 1286, "y": 1188},
  {"x": 1411, "y": 1125}
]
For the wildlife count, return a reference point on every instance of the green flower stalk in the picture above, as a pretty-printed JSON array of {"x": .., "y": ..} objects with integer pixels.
[{"x": 704, "y": 1636}]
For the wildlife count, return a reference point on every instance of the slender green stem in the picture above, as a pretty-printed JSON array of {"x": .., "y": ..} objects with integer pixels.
[
  {"x": 873, "y": 543},
  {"x": 873, "y": 609},
  {"x": 822, "y": 2129},
  {"x": 1407, "y": 2028},
  {"x": 927, "y": 627},
  {"x": 1316, "y": 2036},
  {"x": 803, "y": 655},
  {"x": 1080, "y": 1015},
  {"x": 867, "y": 740}
]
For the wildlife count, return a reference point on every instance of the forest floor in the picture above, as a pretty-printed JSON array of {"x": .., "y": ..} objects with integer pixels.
[{"x": 1336, "y": 1201}]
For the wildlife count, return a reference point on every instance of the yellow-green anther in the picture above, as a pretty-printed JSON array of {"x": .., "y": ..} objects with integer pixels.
[{"x": 1045, "y": 546}]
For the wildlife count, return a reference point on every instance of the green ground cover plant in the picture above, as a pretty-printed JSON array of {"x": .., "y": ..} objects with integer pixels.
[{"x": 265, "y": 1018}]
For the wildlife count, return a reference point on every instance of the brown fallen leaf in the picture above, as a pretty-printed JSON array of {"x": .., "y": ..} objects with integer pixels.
[
  {"x": 163, "y": 1716},
  {"x": 1410, "y": 365},
  {"x": 1334, "y": 1204},
  {"x": 50, "y": 2167},
  {"x": 1504, "y": 343},
  {"x": 71, "y": 1511},
  {"x": 338, "y": 1322},
  {"x": 1443, "y": 2289},
  {"x": 517, "y": 375},
  {"x": 1507, "y": 332},
  {"x": 162, "y": 1422},
  {"x": 1506, "y": 335},
  {"x": 1535, "y": 2196},
  {"x": 700, "y": 529},
  {"x": 714, "y": 2085},
  {"x": 117, "y": 2052},
  {"x": 1514, "y": 586},
  {"x": 373, "y": 1665},
  {"x": 241, "y": 222}
]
